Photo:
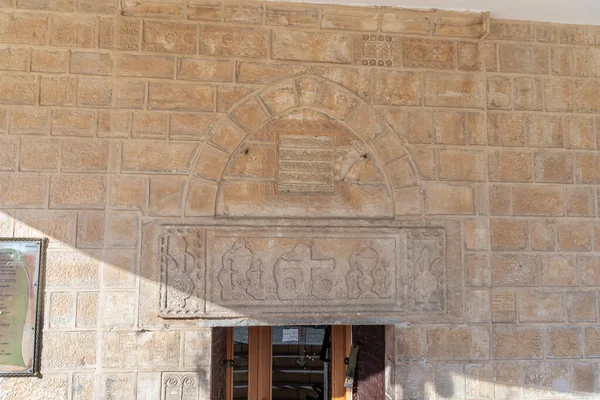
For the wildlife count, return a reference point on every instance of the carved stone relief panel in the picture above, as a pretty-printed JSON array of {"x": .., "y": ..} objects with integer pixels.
[
  {"x": 220, "y": 271},
  {"x": 184, "y": 386}
]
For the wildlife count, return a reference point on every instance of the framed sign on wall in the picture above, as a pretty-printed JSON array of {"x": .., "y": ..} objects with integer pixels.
[{"x": 21, "y": 271}]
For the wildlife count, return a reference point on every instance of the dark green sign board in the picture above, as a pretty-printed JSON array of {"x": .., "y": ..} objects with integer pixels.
[{"x": 21, "y": 263}]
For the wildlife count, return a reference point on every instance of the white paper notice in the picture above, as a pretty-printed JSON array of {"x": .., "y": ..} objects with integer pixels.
[{"x": 290, "y": 335}]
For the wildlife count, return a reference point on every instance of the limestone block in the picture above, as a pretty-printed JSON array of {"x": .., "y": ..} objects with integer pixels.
[
  {"x": 491, "y": 57},
  {"x": 122, "y": 229},
  {"x": 508, "y": 234},
  {"x": 448, "y": 199},
  {"x": 190, "y": 384},
  {"x": 129, "y": 93},
  {"x": 93, "y": 92},
  {"x": 538, "y": 200},
  {"x": 23, "y": 28},
  {"x": 559, "y": 271},
  {"x": 73, "y": 30},
  {"x": 470, "y": 56},
  {"x": 52, "y": 5},
  {"x": 265, "y": 73},
  {"x": 279, "y": 98},
  {"x": 426, "y": 53},
  {"x": 517, "y": 342},
  {"x": 155, "y": 156},
  {"x": 581, "y": 306},
  {"x": 529, "y": 93},
  {"x": 128, "y": 193},
  {"x": 411, "y": 344},
  {"x": 143, "y": 350},
  {"x": 450, "y": 381},
  {"x": 59, "y": 227},
  {"x": 211, "y": 163},
  {"x": 191, "y": 126},
  {"x": 228, "y": 96},
  {"x": 500, "y": 199},
  {"x": 61, "y": 310},
  {"x": 69, "y": 269},
  {"x": 77, "y": 191},
  {"x": 119, "y": 268},
  {"x": 241, "y": 12},
  {"x": 547, "y": 33},
  {"x": 510, "y": 166},
  {"x": 503, "y": 305},
  {"x": 585, "y": 377},
  {"x": 304, "y": 46},
  {"x": 14, "y": 59},
  {"x": 166, "y": 196},
  {"x": 148, "y": 385},
  {"x": 193, "y": 69},
  {"x": 587, "y": 168},
  {"x": 565, "y": 342},
  {"x": 398, "y": 88},
  {"x": 559, "y": 95},
  {"x": 462, "y": 165},
  {"x": 18, "y": 89},
  {"x": 148, "y": 66},
  {"x": 579, "y": 133},
  {"x": 350, "y": 19},
  {"x": 514, "y": 270},
  {"x": 170, "y": 37},
  {"x": 511, "y": 30},
  {"x": 66, "y": 122},
  {"x": 407, "y": 22},
  {"x": 413, "y": 380},
  {"x": 118, "y": 309},
  {"x": 149, "y": 125},
  {"x": 83, "y": 386},
  {"x": 568, "y": 61},
  {"x": 499, "y": 92},
  {"x": 357, "y": 80},
  {"x": 544, "y": 131},
  {"x": 201, "y": 198},
  {"x": 87, "y": 310},
  {"x": 543, "y": 379},
  {"x": 478, "y": 271},
  {"x": 163, "y": 8},
  {"x": 234, "y": 41},
  {"x": 458, "y": 343},
  {"x": 542, "y": 306},
  {"x": 284, "y": 15},
  {"x": 197, "y": 349},
  {"x": 180, "y": 97},
  {"x": 574, "y": 235},
  {"x": 117, "y": 385},
  {"x": 69, "y": 349},
  {"x": 23, "y": 191},
  {"x": 53, "y": 386},
  {"x": 454, "y": 90},
  {"x": 10, "y": 153},
  {"x": 478, "y": 306},
  {"x": 525, "y": 59}
]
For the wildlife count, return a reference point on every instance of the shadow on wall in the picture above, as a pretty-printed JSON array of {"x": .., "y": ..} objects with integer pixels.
[{"x": 91, "y": 289}]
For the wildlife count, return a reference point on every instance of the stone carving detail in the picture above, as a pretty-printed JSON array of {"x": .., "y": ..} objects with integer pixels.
[
  {"x": 229, "y": 271},
  {"x": 427, "y": 259},
  {"x": 183, "y": 386},
  {"x": 170, "y": 37},
  {"x": 369, "y": 276},
  {"x": 241, "y": 275},
  {"x": 299, "y": 275},
  {"x": 182, "y": 271},
  {"x": 377, "y": 50},
  {"x": 128, "y": 35},
  {"x": 429, "y": 53},
  {"x": 305, "y": 164}
]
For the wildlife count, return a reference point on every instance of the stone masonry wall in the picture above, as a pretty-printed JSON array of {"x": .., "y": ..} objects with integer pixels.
[{"x": 114, "y": 114}]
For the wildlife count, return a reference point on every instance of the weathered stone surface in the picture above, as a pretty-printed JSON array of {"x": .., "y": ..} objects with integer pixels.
[
  {"x": 538, "y": 201},
  {"x": 154, "y": 349},
  {"x": 581, "y": 306},
  {"x": 69, "y": 349},
  {"x": 449, "y": 199},
  {"x": 323, "y": 47},
  {"x": 23, "y": 191},
  {"x": 429, "y": 53},
  {"x": 511, "y": 342},
  {"x": 179, "y": 96},
  {"x": 73, "y": 31},
  {"x": 397, "y": 88},
  {"x": 233, "y": 41},
  {"x": 542, "y": 306},
  {"x": 23, "y": 28},
  {"x": 58, "y": 227},
  {"x": 165, "y": 196},
  {"x": 90, "y": 229},
  {"x": 204, "y": 70},
  {"x": 284, "y": 15},
  {"x": 332, "y": 284},
  {"x": 574, "y": 235},
  {"x": 18, "y": 89},
  {"x": 70, "y": 191},
  {"x": 514, "y": 270},
  {"x": 454, "y": 90},
  {"x": 145, "y": 65},
  {"x": 523, "y": 59},
  {"x": 170, "y": 37},
  {"x": 559, "y": 271},
  {"x": 459, "y": 343},
  {"x": 154, "y": 156},
  {"x": 52, "y": 386}
]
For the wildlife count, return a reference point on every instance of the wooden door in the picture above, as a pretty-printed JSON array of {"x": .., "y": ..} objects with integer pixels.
[
  {"x": 369, "y": 381},
  {"x": 221, "y": 337}
]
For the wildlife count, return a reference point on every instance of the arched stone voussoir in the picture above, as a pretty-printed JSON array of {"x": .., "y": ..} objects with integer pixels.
[{"x": 245, "y": 151}]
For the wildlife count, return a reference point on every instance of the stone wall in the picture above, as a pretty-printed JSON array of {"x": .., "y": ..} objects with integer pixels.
[{"x": 117, "y": 114}]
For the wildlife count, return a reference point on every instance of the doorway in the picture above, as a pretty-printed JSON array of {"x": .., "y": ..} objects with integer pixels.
[{"x": 299, "y": 362}]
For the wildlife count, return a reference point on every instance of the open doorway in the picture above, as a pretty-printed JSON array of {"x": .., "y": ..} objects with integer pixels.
[{"x": 299, "y": 362}]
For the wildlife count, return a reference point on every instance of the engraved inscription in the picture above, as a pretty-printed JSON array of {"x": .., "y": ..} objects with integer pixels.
[
  {"x": 183, "y": 386},
  {"x": 429, "y": 53},
  {"x": 305, "y": 164},
  {"x": 426, "y": 258},
  {"x": 182, "y": 271},
  {"x": 377, "y": 50},
  {"x": 229, "y": 271},
  {"x": 169, "y": 37}
]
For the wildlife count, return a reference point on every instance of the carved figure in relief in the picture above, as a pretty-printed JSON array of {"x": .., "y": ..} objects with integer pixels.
[
  {"x": 426, "y": 283},
  {"x": 368, "y": 277},
  {"x": 181, "y": 273},
  {"x": 241, "y": 275},
  {"x": 299, "y": 275}
]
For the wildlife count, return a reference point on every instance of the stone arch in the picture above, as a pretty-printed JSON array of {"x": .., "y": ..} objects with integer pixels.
[{"x": 341, "y": 119}]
